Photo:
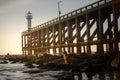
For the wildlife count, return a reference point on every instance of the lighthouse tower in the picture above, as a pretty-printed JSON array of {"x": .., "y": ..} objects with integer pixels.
[{"x": 29, "y": 17}]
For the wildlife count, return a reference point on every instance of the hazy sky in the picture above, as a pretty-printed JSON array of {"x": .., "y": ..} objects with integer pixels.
[{"x": 13, "y": 22}]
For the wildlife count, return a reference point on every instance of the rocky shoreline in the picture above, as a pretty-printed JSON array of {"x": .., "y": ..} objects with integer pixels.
[{"x": 90, "y": 64}]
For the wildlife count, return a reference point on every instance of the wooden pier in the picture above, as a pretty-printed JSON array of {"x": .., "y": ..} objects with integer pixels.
[{"x": 93, "y": 28}]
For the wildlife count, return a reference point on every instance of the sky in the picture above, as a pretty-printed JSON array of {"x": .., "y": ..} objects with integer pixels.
[{"x": 13, "y": 22}]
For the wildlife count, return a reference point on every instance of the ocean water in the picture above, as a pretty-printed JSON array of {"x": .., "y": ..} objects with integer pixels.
[{"x": 15, "y": 72}]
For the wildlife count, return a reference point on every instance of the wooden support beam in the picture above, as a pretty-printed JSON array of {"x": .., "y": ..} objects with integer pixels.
[
  {"x": 110, "y": 25},
  {"x": 43, "y": 36},
  {"x": 48, "y": 39},
  {"x": 77, "y": 24},
  {"x": 94, "y": 33},
  {"x": 60, "y": 37},
  {"x": 100, "y": 31},
  {"x": 81, "y": 26},
  {"x": 39, "y": 38},
  {"x": 54, "y": 49},
  {"x": 115, "y": 25},
  {"x": 39, "y": 45},
  {"x": 34, "y": 39},
  {"x": 108, "y": 31},
  {"x": 68, "y": 38},
  {"x": 92, "y": 23},
  {"x": 84, "y": 34},
  {"x": 73, "y": 37},
  {"x": 88, "y": 33},
  {"x": 25, "y": 41},
  {"x": 22, "y": 42}
]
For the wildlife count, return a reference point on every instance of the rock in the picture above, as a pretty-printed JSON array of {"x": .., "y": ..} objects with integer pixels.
[
  {"x": 12, "y": 62},
  {"x": 66, "y": 77},
  {"x": 35, "y": 71},
  {"x": 29, "y": 65},
  {"x": 4, "y": 62}
]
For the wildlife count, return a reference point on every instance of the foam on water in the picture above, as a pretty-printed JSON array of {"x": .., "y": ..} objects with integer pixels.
[{"x": 15, "y": 72}]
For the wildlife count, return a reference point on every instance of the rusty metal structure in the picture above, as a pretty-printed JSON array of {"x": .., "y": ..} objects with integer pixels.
[{"x": 93, "y": 28}]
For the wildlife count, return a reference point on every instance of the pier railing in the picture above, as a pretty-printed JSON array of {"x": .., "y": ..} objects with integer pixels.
[{"x": 70, "y": 14}]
